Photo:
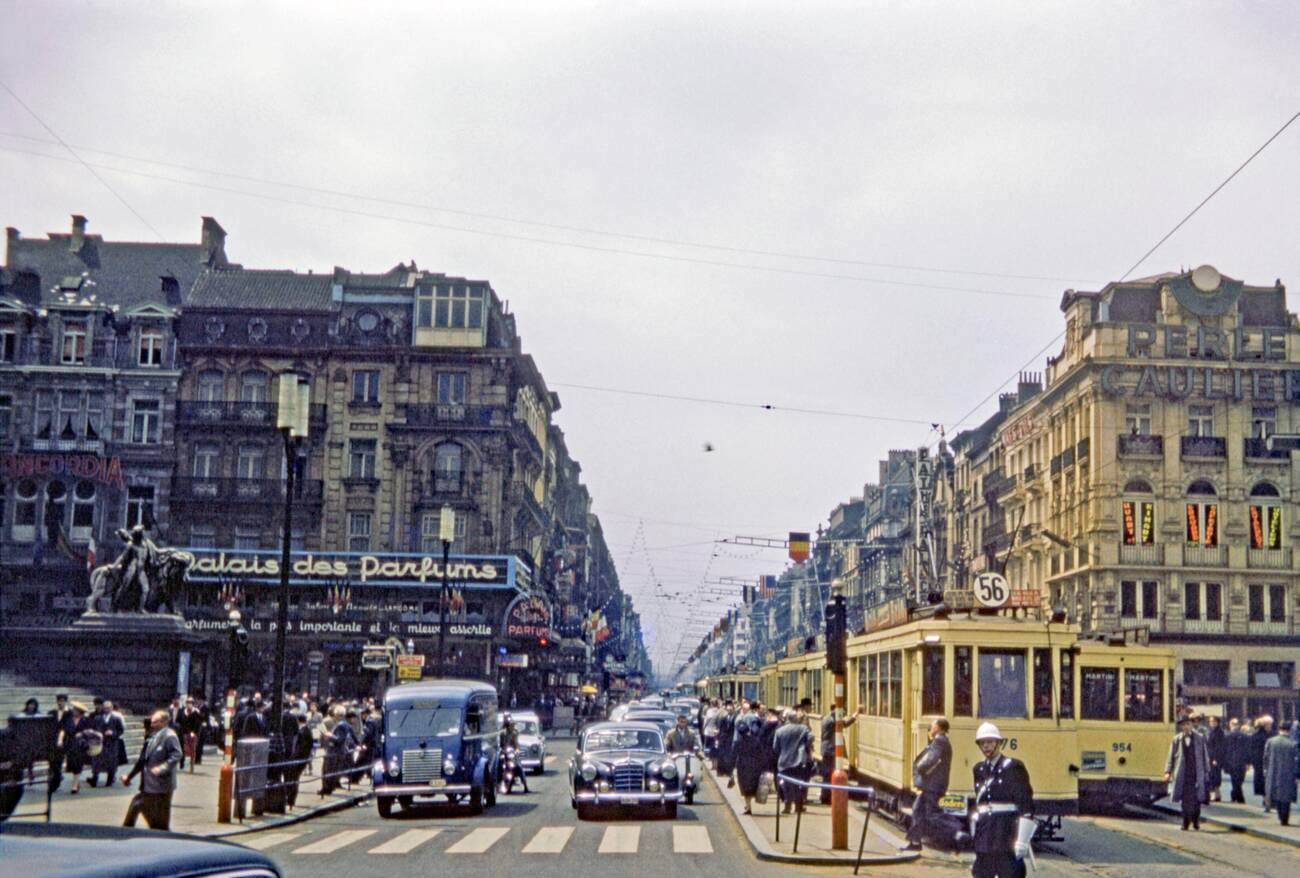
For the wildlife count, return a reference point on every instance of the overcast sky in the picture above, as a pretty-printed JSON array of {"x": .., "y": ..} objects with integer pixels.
[{"x": 1001, "y": 153}]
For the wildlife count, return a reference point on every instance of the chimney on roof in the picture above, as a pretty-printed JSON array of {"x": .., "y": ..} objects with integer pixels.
[
  {"x": 78, "y": 239},
  {"x": 1030, "y": 385},
  {"x": 213, "y": 243}
]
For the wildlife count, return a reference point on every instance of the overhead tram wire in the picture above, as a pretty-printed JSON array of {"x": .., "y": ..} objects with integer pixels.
[
  {"x": 585, "y": 230},
  {"x": 77, "y": 157},
  {"x": 531, "y": 239},
  {"x": 1204, "y": 201}
]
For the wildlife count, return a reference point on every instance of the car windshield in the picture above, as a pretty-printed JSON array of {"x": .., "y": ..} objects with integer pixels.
[
  {"x": 622, "y": 739},
  {"x": 526, "y": 726},
  {"x": 419, "y": 720}
]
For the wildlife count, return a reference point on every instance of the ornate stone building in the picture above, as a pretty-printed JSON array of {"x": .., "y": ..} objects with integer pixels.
[{"x": 1143, "y": 492}]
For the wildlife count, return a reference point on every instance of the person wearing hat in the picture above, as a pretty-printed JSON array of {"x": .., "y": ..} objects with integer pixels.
[
  {"x": 1002, "y": 824},
  {"x": 1187, "y": 769}
]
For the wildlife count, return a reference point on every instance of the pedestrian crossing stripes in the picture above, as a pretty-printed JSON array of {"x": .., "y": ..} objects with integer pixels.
[
  {"x": 406, "y": 842},
  {"x": 338, "y": 841},
  {"x": 620, "y": 840},
  {"x": 549, "y": 840},
  {"x": 614, "y": 839},
  {"x": 691, "y": 840},
  {"x": 479, "y": 841}
]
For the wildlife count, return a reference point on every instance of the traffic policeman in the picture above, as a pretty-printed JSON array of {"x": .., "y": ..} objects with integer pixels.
[{"x": 1002, "y": 823}]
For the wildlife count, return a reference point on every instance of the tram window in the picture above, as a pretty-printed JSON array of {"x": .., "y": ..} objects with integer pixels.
[
  {"x": 1099, "y": 693},
  {"x": 873, "y": 675},
  {"x": 862, "y": 682},
  {"x": 961, "y": 681},
  {"x": 1042, "y": 683},
  {"x": 1143, "y": 695},
  {"x": 1002, "y": 682},
  {"x": 1067, "y": 684},
  {"x": 896, "y": 684},
  {"x": 932, "y": 680}
]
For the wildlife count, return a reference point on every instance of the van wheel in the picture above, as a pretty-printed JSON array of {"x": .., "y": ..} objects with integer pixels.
[
  {"x": 385, "y": 806},
  {"x": 476, "y": 800},
  {"x": 490, "y": 796}
]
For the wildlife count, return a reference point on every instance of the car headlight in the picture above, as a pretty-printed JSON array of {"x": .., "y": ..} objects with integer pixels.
[
  {"x": 588, "y": 772},
  {"x": 448, "y": 766},
  {"x": 394, "y": 765},
  {"x": 668, "y": 770}
]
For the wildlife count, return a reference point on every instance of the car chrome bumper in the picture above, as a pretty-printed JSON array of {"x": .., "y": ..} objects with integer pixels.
[
  {"x": 531, "y": 762},
  {"x": 422, "y": 789},
  {"x": 639, "y": 798}
]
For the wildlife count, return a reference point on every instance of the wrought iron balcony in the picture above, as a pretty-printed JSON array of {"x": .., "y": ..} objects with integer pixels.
[
  {"x": 1141, "y": 445},
  {"x": 1205, "y": 556},
  {"x": 1203, "y": 446},
  {"x": 237, "y": 414},
  {"x": 235, "y": 491},
  {"x": 1269, "y": 559},
  {"x": 1257, "y": 449},
  {"x": 457, "y": 415},
  {"x": 1145, "y": 555}
]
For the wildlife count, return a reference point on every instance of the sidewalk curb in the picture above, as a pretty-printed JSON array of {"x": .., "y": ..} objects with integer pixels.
[
  {"x": 764, "y": 850},
  {"x": 296, "y": 817},
  {"x": 1228, "y": 823}
]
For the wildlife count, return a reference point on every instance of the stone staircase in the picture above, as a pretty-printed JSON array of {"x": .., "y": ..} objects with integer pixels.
[{"x": 16, "y": 689}]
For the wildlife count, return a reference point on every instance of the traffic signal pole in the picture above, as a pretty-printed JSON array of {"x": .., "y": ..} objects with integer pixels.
[{"x": 837, "y": 662}]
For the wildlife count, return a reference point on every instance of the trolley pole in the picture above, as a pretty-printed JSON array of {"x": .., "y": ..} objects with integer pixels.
[
  {"x": 840, "y": 777},
  {"x": 837, "y": 662}
]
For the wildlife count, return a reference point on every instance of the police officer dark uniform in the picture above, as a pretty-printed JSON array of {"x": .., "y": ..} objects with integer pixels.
[{"x": 1003, "y": 797}]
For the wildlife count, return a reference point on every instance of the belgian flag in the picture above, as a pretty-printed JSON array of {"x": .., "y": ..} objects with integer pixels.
[{"x": 800, "y": 547}]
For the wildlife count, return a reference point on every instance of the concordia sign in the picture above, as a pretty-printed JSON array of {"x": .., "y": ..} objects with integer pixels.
[{"x": 391, "y": 569}]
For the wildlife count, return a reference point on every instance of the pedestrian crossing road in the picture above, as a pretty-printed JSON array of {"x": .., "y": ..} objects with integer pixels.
[{"x": 612, "y": 839}]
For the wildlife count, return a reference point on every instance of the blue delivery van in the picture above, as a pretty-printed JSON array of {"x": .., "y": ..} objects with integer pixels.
[{"x": 440, "y": 738}]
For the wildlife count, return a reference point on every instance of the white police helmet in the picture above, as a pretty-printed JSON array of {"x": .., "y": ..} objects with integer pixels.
[{"x": 988, "y": 732}]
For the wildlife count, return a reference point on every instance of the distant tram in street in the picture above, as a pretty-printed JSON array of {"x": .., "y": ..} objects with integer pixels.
[
  {"x": 734, "y": 685},
  {"x": 1091, "y": 719}
]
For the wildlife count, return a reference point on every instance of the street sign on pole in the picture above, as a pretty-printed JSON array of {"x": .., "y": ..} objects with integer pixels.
[{"x": 376, "y": 658}]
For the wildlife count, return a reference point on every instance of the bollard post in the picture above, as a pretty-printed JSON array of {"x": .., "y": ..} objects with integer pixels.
[
  {"x": 225, "y": 791},
  {"x": 839, "y": 777}
]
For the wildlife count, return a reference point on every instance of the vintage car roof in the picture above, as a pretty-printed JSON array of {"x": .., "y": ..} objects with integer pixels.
[
  {"x": 623, "y": 726},
  {"x": 436, "y": 689},
  {"x": 34, "y": 850},
  {"x": 523, "y": 714}
]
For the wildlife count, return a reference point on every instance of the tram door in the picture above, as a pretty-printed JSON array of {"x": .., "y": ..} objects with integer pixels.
[{"x": 914, "y": 727}]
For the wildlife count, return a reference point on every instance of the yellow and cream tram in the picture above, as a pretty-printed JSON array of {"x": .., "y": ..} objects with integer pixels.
[
  {"x": 729, "y": 684},
  {"x": 1091, "y": 720}
]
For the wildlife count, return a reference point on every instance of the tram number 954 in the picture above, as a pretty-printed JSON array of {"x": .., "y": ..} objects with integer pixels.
[{"x": 1121, "y": 747}]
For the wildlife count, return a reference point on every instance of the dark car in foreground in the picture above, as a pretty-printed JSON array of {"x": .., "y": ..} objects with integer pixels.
[
  {"x": 38, "y": 850},
  {"x": 621, "y": 765}
]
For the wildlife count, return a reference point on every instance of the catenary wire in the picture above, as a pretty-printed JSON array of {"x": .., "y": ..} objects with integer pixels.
[
  {"x": 532, "y": 239},
  {"x": 585, "y": 230},
  {"x": 77, "y": 157}
]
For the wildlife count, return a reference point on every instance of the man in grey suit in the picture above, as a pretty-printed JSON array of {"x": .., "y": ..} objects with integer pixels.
[{"x": 159, "y": 760}]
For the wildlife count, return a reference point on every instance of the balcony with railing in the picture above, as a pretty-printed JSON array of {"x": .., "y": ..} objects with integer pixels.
[
  {"x": 1147, "y": 556},
  {"x": 78, "y": 445},
  {"x": 524, "y": 496},
  {"x": 1258, "y": 450},
  {"x": 1269, "y": 559},
  {"x": 1271, "y": 627},
  {"x": 237, "y": 414},
  {"x": 445, "y": 415},
  {"x": 236, "y": 491},
  {"x": 1204, "y": 626},
  {"x": 1205, "y": 556},
  {"x": 1203, "y": 446},
  {"x": 525, "y": 433},
  {"x": 1141, "y": 445}
]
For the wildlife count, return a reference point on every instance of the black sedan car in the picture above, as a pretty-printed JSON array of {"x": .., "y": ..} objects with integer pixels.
[
  {"x": 623, "y": 764},
  {"x": 37, "y": 850}
]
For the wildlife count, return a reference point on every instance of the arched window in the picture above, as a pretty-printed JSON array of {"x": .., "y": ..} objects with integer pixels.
[
  {"x": 83, "y": 511},
  {"x": 447, "y": 473},
  {"x": 1138, "y": 524},
  {"x": 24, "y": 528},
  {"x": 1265, "y": 517},
  {"x": 1202, "y": 514},
  {"x": 212, "y": 385},
  {"x": 253, "y": 386}
]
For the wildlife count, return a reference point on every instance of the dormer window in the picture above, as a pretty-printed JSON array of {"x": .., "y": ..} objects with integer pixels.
[
  {"x": 151, "y": 346},
  {"x": 73, "y": 352},
  {"x": 450, "y": 306}
]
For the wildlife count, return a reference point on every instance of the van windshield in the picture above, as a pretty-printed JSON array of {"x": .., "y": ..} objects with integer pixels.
[{"x": 424, "y": 721}]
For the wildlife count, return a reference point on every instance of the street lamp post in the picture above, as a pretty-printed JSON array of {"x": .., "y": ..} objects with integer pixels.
[
  {"x": 291, "y": 420},
  {"x": 446, "y": 533}
]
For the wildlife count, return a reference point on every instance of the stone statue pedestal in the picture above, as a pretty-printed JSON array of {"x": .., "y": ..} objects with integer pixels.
[{"x": 137, "y": 660}]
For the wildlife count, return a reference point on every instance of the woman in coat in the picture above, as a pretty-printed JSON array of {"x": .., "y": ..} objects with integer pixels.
[
  {"x": 1186, "y": 771},
  {"x": 1280, "y": 773},
  {"x": 751, "y": 754}
]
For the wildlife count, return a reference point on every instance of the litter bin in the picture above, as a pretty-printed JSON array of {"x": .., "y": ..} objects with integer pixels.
[{"x": 250, "y": 774}]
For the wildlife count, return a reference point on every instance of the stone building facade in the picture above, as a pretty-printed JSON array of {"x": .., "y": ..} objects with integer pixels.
[
  {"x": 1142, "y": 488},
  {"x": 88, "y": 377}
]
